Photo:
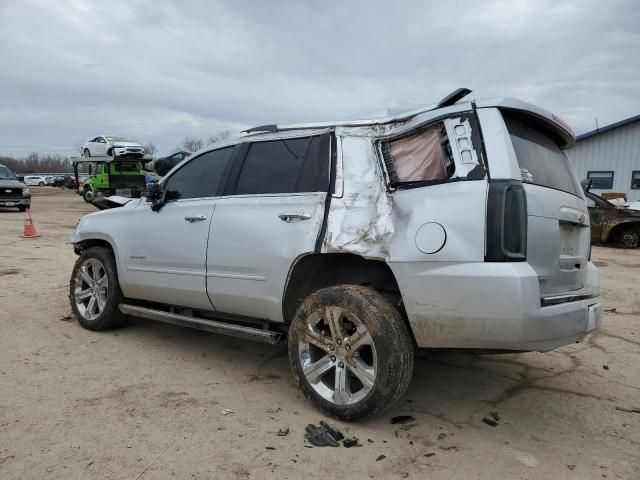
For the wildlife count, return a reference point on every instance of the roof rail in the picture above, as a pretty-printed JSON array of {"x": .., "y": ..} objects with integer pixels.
[
  {"x": 453, "y": 97},
  {"x": 262, "y": 128}
]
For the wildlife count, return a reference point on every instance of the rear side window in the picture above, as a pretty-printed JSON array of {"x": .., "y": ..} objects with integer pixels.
[
  {"x": 286, "y": 166},
  {"x": 202, "y": 176},
  {"x": 541, "y": 160}
]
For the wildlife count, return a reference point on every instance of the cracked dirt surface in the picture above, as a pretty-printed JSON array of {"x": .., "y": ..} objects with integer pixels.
[{"x": 76, "y": 404}]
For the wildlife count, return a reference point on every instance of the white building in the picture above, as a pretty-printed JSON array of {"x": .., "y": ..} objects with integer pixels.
[{"x": 610, "y": 156}]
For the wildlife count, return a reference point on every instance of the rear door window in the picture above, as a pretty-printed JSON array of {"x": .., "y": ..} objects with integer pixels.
[
  {"x": 286, "y": 166},
  {"x": 541, "y": 160}
]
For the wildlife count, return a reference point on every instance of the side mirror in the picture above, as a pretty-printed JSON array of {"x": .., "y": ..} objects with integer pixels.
[
  {"x": 156, "y": 195},
  {"x": 586, "y": 184}
]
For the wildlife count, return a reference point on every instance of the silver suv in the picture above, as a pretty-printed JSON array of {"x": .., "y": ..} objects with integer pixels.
[{"x": 462, "y": 225}]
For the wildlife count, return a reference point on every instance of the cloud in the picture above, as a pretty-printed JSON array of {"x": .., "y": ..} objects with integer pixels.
[{"x": 160, "y": 71}]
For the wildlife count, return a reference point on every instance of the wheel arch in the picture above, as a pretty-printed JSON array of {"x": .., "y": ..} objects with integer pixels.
[
  {"x": 313, "y": 271},
  {"x": 612, "y": 233}
]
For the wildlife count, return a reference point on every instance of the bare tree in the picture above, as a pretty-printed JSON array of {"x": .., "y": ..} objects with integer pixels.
[
  {"x": 151, "y": 149},
  {"x": 192, "y": 144},
  {"x": 219, "y": 137}
]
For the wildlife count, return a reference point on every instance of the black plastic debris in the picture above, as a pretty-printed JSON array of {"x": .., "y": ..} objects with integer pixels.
[
  {"x": 369, "y": 440},
  {"x": 351, "y": 442},
  {"x": 431, "y": 454},
  {"x": 380, "y": 457},
  {"x": 495, "y": 416},
  {"x": 335, "y": 433},
  {"x": 490, "y": 422},
  {"x": 270, "y": 448},
  {"x": 283, "y": 432},
  {"x": 402, "y": 419},
  {"x": 321, "y": 437},
  {"x": 606, "y": 367}
]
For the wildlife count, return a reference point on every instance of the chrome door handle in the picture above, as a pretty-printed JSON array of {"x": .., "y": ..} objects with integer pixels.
[
  {"x": 197, "y": 218},
  {"x": 289, "y": 217}
]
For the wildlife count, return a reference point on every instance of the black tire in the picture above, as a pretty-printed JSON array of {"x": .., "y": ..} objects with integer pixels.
[
  {"x": 110, "y": 316},
  {"x": 629, "y": 237},
  {"x": 87, "y": 195},
  {"x": 394, "y": 349},
  {"x": 41, "y": 184},
  {"x": 23, "y": 208},
  {"x": 87, "y": 153}
]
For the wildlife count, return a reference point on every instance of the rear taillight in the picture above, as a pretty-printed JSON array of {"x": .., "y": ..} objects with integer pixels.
[{"x": 506, "y": 222}]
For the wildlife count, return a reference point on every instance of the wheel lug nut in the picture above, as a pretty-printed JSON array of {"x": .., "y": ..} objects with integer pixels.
[
  {"x": 347, "y": 347},
  {"x": 341, "y": 364},
  {"x": 339, "y": 342},
  {"x": 333, "y": 359},
  {"x": 331, "y": 347}
]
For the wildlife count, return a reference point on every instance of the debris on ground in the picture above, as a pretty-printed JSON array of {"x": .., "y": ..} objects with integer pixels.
[
  {"x": 495, "y": 416},
  {"x": 67, "y": 318},
  {"x": 270, "y": 448},
  {"x": 380, "y": 457},
  {"x": 629, "y": 410},
  {"x": 490, "y": 422},
  {"x": 369, "y": 440},
  {"x": 430, "y": 454},
  {"x": 611, "y": 310},
  {"x": 571, "y": 467},
  {"x": 606, "y": 367},
  {"x": 402, "y": 420},
  {"x": 452, "y": 447},
  {"x": 351, "y": 442},
  {"x": 404, "y": 474},
  {"x": 283, "y": 432},
  {"x": 323, "y": 436},
  {"x": 226, "y": 411},
  {"x": 442, "y": 436}
]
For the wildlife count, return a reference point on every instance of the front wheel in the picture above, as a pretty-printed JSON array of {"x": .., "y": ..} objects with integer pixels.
[
  {"x": 350, "y": 351},
  {"x": 41, "y": 184},
  {"x": 87, "y": 153},
  {"x": 630, "y": 238},
  {"x": 94, "y": 291},
  {"x": 87, "y": 195}
]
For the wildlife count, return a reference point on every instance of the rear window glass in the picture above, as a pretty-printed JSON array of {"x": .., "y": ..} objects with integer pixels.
[{"x": 541, "y": 161}]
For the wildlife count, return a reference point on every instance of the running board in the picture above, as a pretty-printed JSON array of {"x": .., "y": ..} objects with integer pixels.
[{"x": 240, "y": 331}]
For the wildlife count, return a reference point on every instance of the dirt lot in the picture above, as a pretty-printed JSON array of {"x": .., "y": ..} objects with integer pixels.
[{"x": 145, "y": 401}]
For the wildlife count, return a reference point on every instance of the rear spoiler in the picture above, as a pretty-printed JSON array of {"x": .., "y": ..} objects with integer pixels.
[{"x": 545, "y": 119}]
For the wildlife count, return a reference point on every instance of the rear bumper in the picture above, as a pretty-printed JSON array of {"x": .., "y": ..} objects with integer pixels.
[{"x": 491, "y": 305}]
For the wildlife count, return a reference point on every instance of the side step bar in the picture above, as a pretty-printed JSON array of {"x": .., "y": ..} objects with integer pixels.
[{"x": 240, "y": 331}]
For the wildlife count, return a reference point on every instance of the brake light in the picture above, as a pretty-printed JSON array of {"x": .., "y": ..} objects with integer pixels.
[{"x": 506, "y": 222}]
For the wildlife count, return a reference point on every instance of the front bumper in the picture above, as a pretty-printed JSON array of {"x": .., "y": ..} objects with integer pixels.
[
  {"x": 15, "y": 202},
  {"x": 127, "y": 152},
  {"x": 491, "y": 306}
]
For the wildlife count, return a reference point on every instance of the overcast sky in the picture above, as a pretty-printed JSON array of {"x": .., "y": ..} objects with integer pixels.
[{"x": 159, "y": 71}]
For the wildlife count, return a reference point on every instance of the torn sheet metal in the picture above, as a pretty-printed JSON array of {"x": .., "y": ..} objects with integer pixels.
[{"x": 359, "y": 220}]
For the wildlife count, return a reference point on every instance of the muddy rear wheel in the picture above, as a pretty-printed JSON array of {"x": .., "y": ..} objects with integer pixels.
[{"x": 350, "y": 351}]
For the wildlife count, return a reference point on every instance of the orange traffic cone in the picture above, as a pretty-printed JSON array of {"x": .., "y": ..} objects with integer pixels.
[{"x": 29, "y": 227}]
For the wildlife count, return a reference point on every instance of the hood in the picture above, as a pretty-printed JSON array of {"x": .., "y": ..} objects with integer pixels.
[
  {"x": 11, "y": 184},
  {"x": 126, "y": 144}
]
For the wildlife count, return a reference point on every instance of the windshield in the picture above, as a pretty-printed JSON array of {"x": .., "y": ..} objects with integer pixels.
[
  {"x": 6, "y": 174},
  {"x": 115, "y": 138}
]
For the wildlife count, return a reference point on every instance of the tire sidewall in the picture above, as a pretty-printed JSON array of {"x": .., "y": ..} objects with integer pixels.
[
  {"x": 110, "y": 315},
  {"x": 382, "y": 322}
]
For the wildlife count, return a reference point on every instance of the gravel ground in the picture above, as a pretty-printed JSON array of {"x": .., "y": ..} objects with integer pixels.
[{"x": 145, "y": 401}]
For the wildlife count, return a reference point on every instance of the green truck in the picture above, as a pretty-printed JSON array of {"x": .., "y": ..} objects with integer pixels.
[{"x": 110, "y": 176}]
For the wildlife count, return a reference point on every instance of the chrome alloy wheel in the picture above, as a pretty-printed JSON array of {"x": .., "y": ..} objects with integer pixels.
[
  {"x": 91, "y": 287},
  {"x": 337, "y": 356}
]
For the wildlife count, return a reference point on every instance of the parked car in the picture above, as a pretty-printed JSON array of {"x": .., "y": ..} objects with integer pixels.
[
  {"x": 35, "y": 180},
  {"x": 164, "y": 164},
  {"x": 358, "y": 241},
  {"x": 13, "y": 193},
  {"x": 112, "y": 146},
  {"x": 613, "y": 224}
]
